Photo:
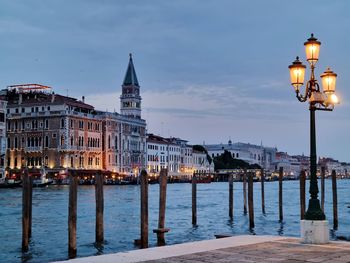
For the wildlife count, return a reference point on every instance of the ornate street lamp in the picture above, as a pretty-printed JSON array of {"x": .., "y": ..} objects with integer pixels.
[{"x": 318, "y": 100}]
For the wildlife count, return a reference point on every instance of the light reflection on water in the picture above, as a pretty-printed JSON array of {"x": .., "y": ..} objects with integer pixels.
[{"x": 121, "y": 217}]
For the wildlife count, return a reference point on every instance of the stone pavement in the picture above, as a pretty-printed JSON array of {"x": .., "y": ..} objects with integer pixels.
[
  {"x": 287, "y": 250},
  {"x": 232, "y": 249}
]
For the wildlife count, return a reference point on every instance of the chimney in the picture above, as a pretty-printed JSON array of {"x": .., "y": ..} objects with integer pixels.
[
  {"x": 20, "y": 98},
  {"x": 83, "y": 99},
  {"x": 52, "y": 97}
]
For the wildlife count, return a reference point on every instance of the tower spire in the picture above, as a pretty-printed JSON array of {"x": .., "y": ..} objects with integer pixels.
[
  {"x": 130, "y": 76},
  {"x": 130, "y": 100}
]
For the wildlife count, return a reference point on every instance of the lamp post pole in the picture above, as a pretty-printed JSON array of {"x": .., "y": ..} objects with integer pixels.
[
  {"x": 314, "y": 211},
  {"x": 314, "y": 229}
]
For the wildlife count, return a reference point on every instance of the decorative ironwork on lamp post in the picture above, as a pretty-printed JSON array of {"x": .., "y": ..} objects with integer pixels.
[{"x": 318, "y": 100}]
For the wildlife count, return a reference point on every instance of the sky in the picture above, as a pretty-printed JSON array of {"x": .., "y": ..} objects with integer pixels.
[{"x": 209, "y": 71}]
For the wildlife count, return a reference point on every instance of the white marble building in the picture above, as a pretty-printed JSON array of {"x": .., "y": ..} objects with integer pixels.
[{"x": 253, "y": 154}]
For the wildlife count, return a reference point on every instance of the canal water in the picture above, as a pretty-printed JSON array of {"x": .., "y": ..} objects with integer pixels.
[{"x": 121, "y": 217}]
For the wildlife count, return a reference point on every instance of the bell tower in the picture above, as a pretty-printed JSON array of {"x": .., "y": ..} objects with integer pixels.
[{"x": 130, "y": 100}]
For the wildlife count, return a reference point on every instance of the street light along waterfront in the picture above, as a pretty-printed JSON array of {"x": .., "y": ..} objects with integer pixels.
[{"x": 318, "y": 100}]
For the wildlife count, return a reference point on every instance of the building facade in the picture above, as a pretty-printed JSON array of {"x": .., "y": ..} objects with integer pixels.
[
  {"x": 176, "y": 155},
  {"x": 51, "y": 132},
  {"x": 3, "y": 104}
]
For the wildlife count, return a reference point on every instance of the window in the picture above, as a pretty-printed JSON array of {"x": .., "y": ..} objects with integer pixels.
[
  {"x": 48, "y": 107},
  {"x": 71, "y": 162},
  {"x": 46, "y": 141},
  {"x": 46, "y": 161},
  {"x": 46, "y": 124},
  {"x": 109, "y": 141},
  {"x": 54, "y": 135},
  {"x": 23, "y": 110},
  {"x": 62, "y": 123}
]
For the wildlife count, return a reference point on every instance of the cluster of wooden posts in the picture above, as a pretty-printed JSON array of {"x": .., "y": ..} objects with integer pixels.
[
  {"x": 248, "y": 178},
  {"x": 248, "y": 205},
  {"x": 99, "y": 227}
]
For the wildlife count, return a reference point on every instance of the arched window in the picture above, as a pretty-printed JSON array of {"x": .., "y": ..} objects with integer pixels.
[
  {"x": 71, "y": 140},
  {"x": 32, "y": 142},
  {"x": 62, "y": 140},
  {"x": 46, "y": 161},
  {"x": 109, "y": 141},
  {"x": 62, "y": 123},
  {"x": 116, "y": 143},
  {"x": 71, "y": 162}
]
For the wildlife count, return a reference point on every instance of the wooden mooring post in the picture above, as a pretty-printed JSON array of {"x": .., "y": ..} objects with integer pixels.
[
  {"x": 245, "y": 192},
  {"x": 26, "y": 210},
  {"x": 335, "y": 200},
  {"x": 302, "y": 194},
  {"x": 194, "y": 199},
  {"x": 251, "y": 200},
  {"x": 230, "y": 196},
  {"x": 144, "y": 209},
  {"x": 99, "y": 231},
  {"x": 161, "y": 230},
  {"x": 262, "y": 178},
  {"x": 72, "y": 215},
  {"x": 280, "y": 194},
  {"x": 323, "y": 174},
  {"x": 30, "y": 206}
]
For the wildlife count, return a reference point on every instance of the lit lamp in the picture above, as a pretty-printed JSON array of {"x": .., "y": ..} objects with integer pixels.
[
  {"x": 297, "y": 74},
  {"x": 312, "y": 49},
  {"x": 314, "y": 229},
  {"x": 329, "y": 79}
]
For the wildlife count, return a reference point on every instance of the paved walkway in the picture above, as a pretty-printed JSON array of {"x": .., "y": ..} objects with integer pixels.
[{"x": 233, "y": 249}]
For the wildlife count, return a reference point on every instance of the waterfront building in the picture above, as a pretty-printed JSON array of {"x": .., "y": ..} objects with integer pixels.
[
  {"x": 124, "y": 143},
  {"x": 341, "y": 168},
  {"x": 201, "y": 163},
  {"x": 253, "y": 154},
  {"x": 2, "y": 136},
  {"x": 52, "y": 132},
  {"x": 176, "y": 155},
  {"x": 291, "y": 164}
]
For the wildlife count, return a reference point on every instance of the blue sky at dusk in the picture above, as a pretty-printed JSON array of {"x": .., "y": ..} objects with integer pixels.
[{"x": 208, "y": 70}]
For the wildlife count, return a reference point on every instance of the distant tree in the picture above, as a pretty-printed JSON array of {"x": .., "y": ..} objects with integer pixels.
[
  {"x": 226, "y": 161},
  {"x": 199, "y": 148}
]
